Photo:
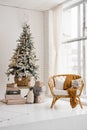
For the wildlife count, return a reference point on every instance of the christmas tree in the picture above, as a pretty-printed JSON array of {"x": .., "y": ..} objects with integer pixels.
[{"x": 23, "y": 62}]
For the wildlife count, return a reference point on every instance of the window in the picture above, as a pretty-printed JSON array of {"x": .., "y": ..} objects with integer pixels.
[{"x": 74, "y": 47}]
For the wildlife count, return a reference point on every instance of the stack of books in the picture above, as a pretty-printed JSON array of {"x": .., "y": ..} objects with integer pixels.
[{"x": 13, "y": 95}]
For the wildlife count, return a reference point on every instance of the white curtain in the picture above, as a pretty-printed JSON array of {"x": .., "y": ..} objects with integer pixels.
[{"x": 53, "y": 36}]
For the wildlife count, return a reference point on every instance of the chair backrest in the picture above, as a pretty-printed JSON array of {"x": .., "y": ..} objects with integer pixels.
[{"x": 67, "y": 83}]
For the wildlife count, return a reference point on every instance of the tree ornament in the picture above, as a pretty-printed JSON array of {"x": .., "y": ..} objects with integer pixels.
[
  {"x": 27, "y": 52},
  {"x": 19, "y": 79}
]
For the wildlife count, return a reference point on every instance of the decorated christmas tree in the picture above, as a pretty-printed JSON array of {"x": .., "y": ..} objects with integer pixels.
[{"x": 23, "y": 62}]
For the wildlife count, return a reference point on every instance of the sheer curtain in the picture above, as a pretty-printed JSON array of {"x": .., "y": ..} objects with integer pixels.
[
  {"x": 57, "y": 39},
  {"x": 53, "y": 36}
]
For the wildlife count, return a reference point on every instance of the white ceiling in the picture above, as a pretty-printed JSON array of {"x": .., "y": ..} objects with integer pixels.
[{"x": 39, "y": 5}]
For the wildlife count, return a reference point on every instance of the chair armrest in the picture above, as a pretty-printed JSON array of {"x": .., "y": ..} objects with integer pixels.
[
  {"x": 81, "y": 88},
  {"x": 51, "y": 84}
]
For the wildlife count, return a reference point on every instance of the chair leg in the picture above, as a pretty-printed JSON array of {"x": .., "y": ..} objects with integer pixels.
[
  {"x": 53, "y": 102},
  {"x": 80, "y": 103}
]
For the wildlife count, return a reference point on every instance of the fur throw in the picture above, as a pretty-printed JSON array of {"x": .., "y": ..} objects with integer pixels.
[{"x": 73, "y": 100}]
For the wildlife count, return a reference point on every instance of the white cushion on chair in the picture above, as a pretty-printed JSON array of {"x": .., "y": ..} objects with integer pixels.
[
  {"x": 63, "y": 92},
  {"x": 60, "y": 92},
  {"x": 59, "y": 82}
]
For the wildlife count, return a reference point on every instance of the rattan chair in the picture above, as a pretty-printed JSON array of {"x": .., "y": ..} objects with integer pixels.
[{"x": 67, "y": 84}]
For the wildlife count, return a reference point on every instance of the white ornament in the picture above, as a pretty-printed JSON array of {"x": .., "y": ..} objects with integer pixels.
[
  {"x": 27, "y": 53},
  {"x": 19, "y": 79}
]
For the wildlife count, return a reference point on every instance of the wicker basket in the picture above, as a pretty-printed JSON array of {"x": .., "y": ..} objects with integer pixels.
[{"x": 22, "y": 82}]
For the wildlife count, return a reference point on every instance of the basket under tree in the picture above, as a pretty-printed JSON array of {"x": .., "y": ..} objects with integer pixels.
[{"x": 23, "y": 63}]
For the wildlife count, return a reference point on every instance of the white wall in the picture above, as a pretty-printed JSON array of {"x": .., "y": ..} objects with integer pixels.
[{"x": 11, "y": 20}]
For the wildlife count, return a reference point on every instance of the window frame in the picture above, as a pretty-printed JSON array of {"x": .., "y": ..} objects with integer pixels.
[{"x": 79, "y": 39}]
